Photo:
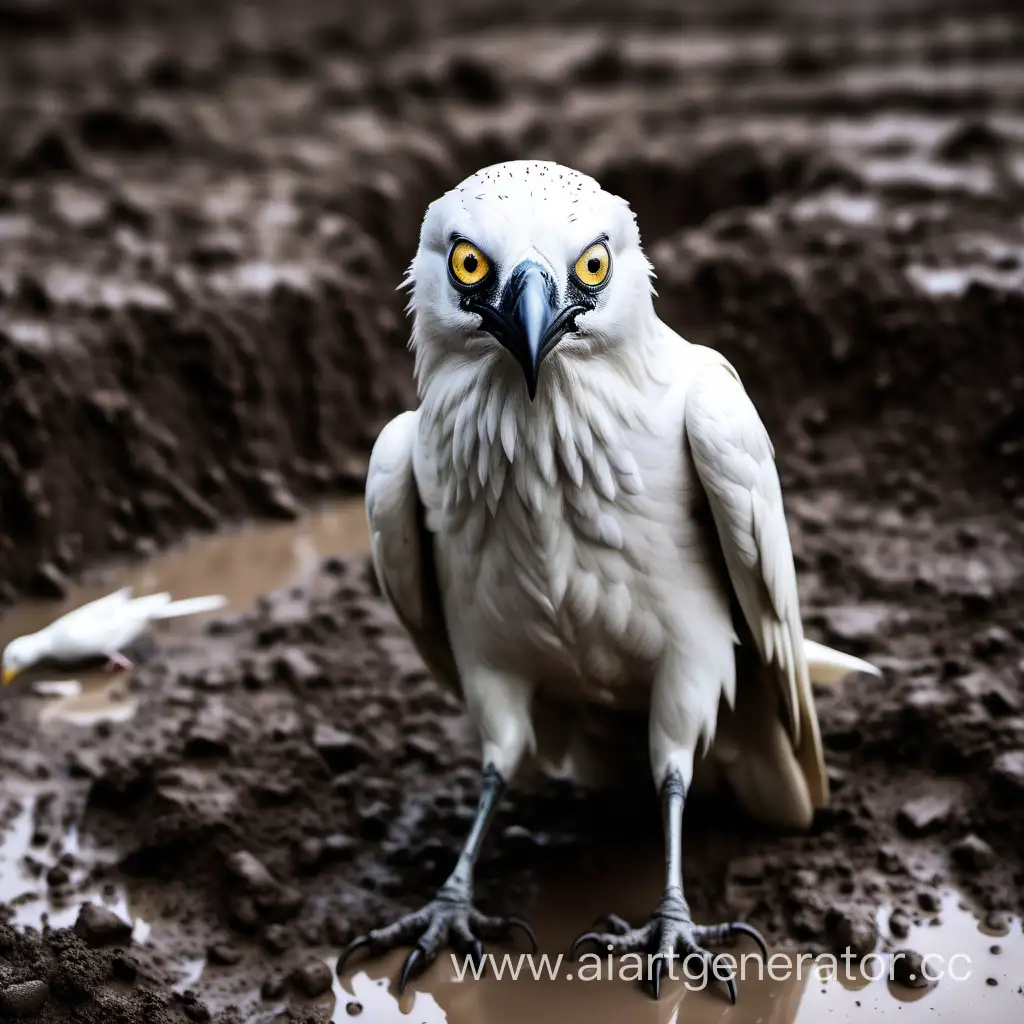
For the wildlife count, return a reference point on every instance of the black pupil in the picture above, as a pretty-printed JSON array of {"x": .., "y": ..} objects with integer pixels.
[
  {"x": 594, "y": 264},
  {"x": 470, "y": 263}
]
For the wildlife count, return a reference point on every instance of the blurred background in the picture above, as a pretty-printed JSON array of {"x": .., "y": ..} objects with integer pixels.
[{"x": 205, "y": 210}]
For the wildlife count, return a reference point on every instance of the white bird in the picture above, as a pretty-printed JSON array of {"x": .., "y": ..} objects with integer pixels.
[
  {"x": 582, "y": 516},
  {"x": 103, "y": 628}
]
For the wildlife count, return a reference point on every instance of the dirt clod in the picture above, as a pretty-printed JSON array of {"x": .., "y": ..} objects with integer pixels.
[
  {"x": 341, "y": 750},
  {"x": 24, "y": 998},
  {"x": 997, "y": 922},
  {"x": 1008, "y": 773},
  {"x": 925, "y": 814},
  {"x": 908, "y": 969},
  {"x": 99, "y": 926},
  {"x": 852, "y": 930},
  {"x": 312, "y": 979},
  {"x": 972, "y": 853},
  {"x": 221, "y": 954},
  {"x": 250, "y": 872}
]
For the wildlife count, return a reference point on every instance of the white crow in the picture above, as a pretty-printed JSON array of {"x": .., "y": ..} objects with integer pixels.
[
  {"x": 584, "y": 512},
  {"x": 103, "y": 628}
]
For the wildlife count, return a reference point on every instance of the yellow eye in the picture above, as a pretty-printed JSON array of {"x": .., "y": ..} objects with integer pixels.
[
  {"x": 468, "y": 264},
  {"x": 593, "y": 266}
]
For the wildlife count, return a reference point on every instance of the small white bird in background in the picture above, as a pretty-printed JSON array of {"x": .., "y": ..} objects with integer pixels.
[
  {"x": 100, "y": 629},
  {"x": 584, "y": 512}
]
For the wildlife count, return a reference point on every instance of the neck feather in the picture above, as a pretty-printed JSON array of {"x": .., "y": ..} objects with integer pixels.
[{"x": 572, "y": 437}]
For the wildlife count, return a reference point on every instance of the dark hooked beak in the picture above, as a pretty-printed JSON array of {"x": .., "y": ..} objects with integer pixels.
[{"x": 527, "y": 320}]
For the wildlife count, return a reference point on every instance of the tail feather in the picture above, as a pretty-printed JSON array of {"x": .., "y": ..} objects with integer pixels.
[
  {"x": 827, "y": 666},
  {"x": 774, "y": 782},
  {"x": 191, "y": 606},
  {"x": 753, "y": 750}
]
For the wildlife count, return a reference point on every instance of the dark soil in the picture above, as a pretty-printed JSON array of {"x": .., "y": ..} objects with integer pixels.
[{"x": 204, "y": 211}]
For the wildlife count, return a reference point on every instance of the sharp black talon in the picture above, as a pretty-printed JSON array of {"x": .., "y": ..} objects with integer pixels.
[
  {"x": 730, "y": 984},
  {"x": 613, "y": 923},
  {"x": 357, "y": 943},
  {"x": 741, "y": 928},
  {"x": 410, "y": 962},
  {"x": 585, "y": 937},
  {"x": 450, "y": 919},
  {"x": 518, "y": 922},
  {"x": 656, "y": 981}
]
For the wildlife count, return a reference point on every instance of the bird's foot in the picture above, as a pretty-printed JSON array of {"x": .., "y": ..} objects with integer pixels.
[
  {"x": 118, "y": 663},
  {"x": 670, "y": 937},
  {"x": 450, "y": 919}
]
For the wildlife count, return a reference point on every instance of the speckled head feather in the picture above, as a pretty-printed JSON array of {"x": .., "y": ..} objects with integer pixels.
[{"x": 527, "y": 212}]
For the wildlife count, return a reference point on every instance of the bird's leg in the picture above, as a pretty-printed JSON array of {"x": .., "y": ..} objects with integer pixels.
[
  {"x": 450, "y": 917},
  {"x": 117, "y": 662},
  {"x": 671, "y": 933}
]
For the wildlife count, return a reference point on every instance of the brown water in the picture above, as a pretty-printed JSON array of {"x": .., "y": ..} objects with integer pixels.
[
  {"x": 791, "y": 997},
  {"x": 241, "y": 564},
  {"x": 253, "y": 560}
]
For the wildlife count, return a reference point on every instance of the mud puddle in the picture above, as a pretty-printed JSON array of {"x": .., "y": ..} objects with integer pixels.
[
  {"x": 257, "y": 559},
  {"x": 976, "y": 969},
  {"x": 984, "y": 974},
  {"x": 240, "y": 564}
]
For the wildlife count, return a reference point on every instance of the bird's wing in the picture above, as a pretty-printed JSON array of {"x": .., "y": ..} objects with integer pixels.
[
  {"x": 94, "y": 610},
  {"x": 403, "y": 549},
  {"x": 735, "y": 461},
  {"x": 99, "y": 628},
  {"x": 108, "y": 626},
  {"x": 82, "y": 622}
]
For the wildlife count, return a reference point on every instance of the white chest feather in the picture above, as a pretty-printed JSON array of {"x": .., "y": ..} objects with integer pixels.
[{"x": 560, "y": 525}]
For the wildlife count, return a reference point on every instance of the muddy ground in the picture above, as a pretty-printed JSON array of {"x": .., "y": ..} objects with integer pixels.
[{"x": 204, "y": 211}]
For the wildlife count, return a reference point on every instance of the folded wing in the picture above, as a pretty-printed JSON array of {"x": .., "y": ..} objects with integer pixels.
[
  {"x": 735, "y": 462},
  {"x": 403, "y": 549}
]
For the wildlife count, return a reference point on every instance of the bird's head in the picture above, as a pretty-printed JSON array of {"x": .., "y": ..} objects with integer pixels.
[
  {"x": 526, "y": 258},
  {"x": 19, "y": 655}
]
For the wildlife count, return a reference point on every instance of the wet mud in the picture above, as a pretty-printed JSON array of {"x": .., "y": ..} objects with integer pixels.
[{"x": 205, "y": 210}]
